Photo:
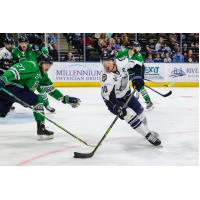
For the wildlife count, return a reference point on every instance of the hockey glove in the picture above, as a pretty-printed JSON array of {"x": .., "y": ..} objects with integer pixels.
[
  {"x": 121, "y": 112},
  {"x": 73, "y": 101}
]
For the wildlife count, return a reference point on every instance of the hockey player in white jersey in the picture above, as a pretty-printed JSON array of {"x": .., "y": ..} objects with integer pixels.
[
  {"x": 116, "y": 90},
  {"x": 6, "y": 55}
]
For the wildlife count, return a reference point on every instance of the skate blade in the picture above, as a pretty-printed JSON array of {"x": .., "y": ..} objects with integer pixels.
[
  {"x": 53, "y": 112},
  {"x": 42, "y": 137}
]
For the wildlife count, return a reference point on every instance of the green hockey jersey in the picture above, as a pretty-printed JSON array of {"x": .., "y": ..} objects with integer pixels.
[
  {"x": 30, "y": 54},
  {"x": 136, "y": 56},
  {"x": 124, "y": 53},
  {"x": 27, "y": 74}
]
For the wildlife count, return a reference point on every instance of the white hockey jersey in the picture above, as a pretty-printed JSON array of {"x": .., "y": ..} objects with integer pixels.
[
  {"x": 118, "y": 81},
  {"x": 5, "y": 54}
]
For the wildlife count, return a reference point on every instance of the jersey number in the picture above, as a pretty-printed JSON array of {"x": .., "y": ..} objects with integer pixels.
[
  {"x": 20, "y": 67},
  {"x": 104, "y": 89}
]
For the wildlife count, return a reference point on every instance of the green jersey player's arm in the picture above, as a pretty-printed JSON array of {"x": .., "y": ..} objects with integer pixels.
[
  {"x": 47, "y": 85},
  {"x": 122, "y": 53},
  {"x": 128, "y": 64},
  {"x": 15, "y": 58},
  {"x": 138, "y": 57},
  {"x": 43, "y": 50},
  {"x": 20, "y": 71}
]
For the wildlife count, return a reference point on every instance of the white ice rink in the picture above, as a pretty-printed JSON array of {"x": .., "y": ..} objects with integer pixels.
[{"x": 174, "y": 117}]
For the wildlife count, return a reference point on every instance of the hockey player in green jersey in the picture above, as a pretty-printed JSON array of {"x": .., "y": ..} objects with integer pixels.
[
  {"x": 26, "y": 51},
  {"x": 137, "y": 73},
  {"x": 22, "y": 79}
]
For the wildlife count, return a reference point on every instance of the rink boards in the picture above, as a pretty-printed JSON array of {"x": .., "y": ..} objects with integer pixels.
[{"x": 84, "y": 74}]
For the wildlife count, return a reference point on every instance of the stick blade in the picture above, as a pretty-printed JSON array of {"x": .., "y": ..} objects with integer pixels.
[
  {"x": 168, "y": 94},
  {"x": 83, "y": 155}
]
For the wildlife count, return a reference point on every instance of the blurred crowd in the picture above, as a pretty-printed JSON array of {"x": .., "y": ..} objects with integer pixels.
[{"x": 155, "y": 47}]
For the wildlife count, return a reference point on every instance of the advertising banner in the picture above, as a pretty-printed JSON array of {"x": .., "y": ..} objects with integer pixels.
[{"x": 88, "y": 74}]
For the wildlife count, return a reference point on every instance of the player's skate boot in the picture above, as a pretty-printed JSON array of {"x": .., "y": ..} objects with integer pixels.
[
  {"x": 50, "y": 109},
  {"x": 149, "y": 106},
  {"x": 155, "y": 134},
  {"x": 43, "y": 133},
  {"x": 152, "y": 139}
]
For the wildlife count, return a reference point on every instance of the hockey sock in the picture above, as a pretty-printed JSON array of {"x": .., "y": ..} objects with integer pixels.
[
  {"x": 135, "y": 122},
  {"x": 37, "y": 109},
  {"x": 145, "y": 94}
]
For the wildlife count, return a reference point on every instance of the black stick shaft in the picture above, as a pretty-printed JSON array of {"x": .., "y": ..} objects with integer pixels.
[
  {"x": 26, "y": 105},
  {"x": 113, "y": 123},
  {"x": 106, "y": 133},
  {"x": 164, "y": 95}
]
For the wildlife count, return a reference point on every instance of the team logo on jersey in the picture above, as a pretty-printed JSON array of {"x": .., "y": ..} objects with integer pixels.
[
  {"x": 104, "y": 77},
  {"x": 6, "y": 54}
]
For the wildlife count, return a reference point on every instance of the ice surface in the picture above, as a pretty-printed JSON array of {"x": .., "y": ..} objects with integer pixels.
[{"x": 174, "y": 117}]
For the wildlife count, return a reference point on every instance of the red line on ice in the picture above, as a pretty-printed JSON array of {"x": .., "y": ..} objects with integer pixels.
[{"x": 25, "y": 162}]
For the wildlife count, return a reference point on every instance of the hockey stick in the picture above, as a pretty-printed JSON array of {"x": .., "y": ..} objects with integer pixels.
[
  {"x": 163, "y": 95},
  {"x": 160, "y": 84},
  {"x": 27, "y": 105},
  {"x": 89, "y": 155}
]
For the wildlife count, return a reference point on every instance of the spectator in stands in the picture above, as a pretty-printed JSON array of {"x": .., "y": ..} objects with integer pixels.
[
  {"x": 178, "y": 57},
  {"x": 173, "y": 38},
  {"x": 77, "y": 42},
  {"x": 52, "y": 40},
  {"x": 52, "y": 46},
  {"x": 124, "y": 40},
  {"x": 88, "y": 40},
  {"x": 195, "y": 43},
  {"x": 115, "y": 44},
  {"x": 69, "y": 37},
  {"x": 174, "y": 47},
  {"x": 157, "y": 58},
  {"x": 97, "y": 35},
  {"x": 117, "y": 36},
  {"x": 185, "y": 46},
  {"x": 70, "y": 57},
  {"x": 167, "y": 48},
  {"x": 164, "y": 49},
  {"x": 150, "y": 47},
  {"x": 189, "y": 57},
  {"x": 159, "y": 44},
  {"x": 167, "y": 58},
  {"x": 149, "y": 59},
  {"x": 103, "y": 42}
]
